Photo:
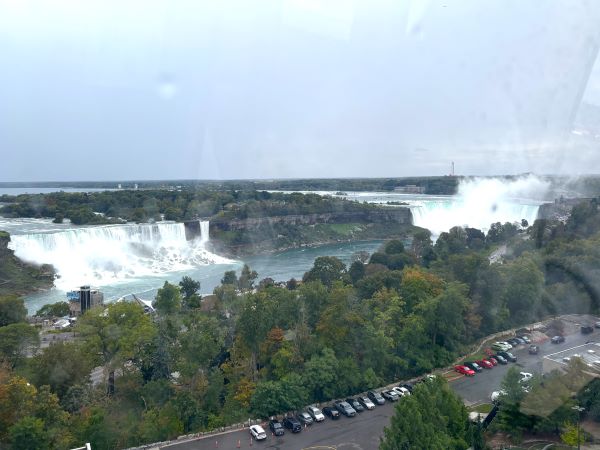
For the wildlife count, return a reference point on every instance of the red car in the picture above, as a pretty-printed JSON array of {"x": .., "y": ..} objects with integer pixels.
[
  {"x": 493, "y": 361},
  {"x": 464, "y": 370},
  {"x": 485, "y": 363}
]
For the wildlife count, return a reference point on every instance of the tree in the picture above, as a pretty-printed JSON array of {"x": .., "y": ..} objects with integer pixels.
[
  {"x": 229, "y": 278},
  {"x": 58, "y": 309},
  {"x": 356, "y": 271},
  {"x": 29, "y": 434},
  {"x": 16, "y": 340},
  {"x": 12, "y": 310},
  {"x": 61, "y": 366},
  {"x": 189, "y": 287},
  {"x": 326, "y": 269},
  {"x": 168, "y": 299},
  {"x": 433, "y": 417},
  {"x": 247, "y": 277}
]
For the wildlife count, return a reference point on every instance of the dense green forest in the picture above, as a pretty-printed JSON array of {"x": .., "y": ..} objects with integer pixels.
[
  {"x": 258, "y": 348},
  {"x": 432, "y": 185},
  {"x": 153, "y": 205}
]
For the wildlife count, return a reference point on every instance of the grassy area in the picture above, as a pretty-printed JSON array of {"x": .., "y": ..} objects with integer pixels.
[
  {"x": 345, "y": 229},
  {"x": 483, "y": 408}
]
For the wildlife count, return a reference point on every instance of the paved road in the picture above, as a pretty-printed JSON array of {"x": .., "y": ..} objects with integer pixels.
[
  {"x": 358, "y": 433},
  {"x": 478, "y": 389}
]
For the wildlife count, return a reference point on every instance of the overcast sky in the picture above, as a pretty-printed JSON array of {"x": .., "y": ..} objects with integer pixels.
[{"x": 117, "y": 89}]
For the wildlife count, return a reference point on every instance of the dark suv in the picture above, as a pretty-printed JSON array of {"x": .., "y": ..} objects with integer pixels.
[
  {"x": 376, "y": 397},
  {"x": 473, "y": 366},
  {"x": 587, "y": 329},
  {"x": 509, "y": 356},
  {"x": 276, "y": 427},
  {"x": 331, "y": 412},
  {"x": 291, "y": 423}
]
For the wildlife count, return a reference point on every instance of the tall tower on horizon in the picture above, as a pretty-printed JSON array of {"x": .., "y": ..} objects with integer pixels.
[{"x": 452, "y": 169}]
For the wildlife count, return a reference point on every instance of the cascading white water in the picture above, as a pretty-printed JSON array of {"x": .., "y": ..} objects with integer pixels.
[
  {"x": 106, "y": 254},
  {"x": 481, "y": 202},
  {"x": 204, "y": 224}
]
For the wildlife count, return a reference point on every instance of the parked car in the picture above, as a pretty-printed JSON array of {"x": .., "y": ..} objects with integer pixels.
[
  {"x": 345, "y": 409},
  {"x": 276, "y": 427},
  {"x": 473, "y": 366},
  {"x": 587, "y": 329},
  {"x": 493, "y": 360},
  {"x": 597, "y": 325},
  {"x": 390, "y": 396},
  {"x": 258, "y": 432},
  {"x": 501, "y": 359},
  {"x": 509, "y": 356},
  {"x": 501, "y": 346},
  {"x": 305, "y": 418},
  {"x": 485, "y": 364},
  {"x": 525, "y": 338},
  {"x": 407, "y": 386},
  {"x": 557, "y": 339},
  {"x": 465, "y": 370},
  {"x": 495, "y": 397},
  {"x": 376, "y": 397},
  {"x": 355, "y": 404},
  {"x": 513, "y": 341},
  {"x": 331, "y": 412},
  {"x": 291, "y": 423},
  {"x": 315, "y": 413},
  {"x": 401, "y": 391},
  {"x": 366, "y": 402},
  {"x": 533, "y": 349},
  {"x": 525, "y": 377}
]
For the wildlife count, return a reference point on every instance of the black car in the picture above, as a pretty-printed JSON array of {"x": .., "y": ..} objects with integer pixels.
[
  {"x": 376, "y": 397},
  {"x": 293, "y": 424},
  {"x": 407, "y": 386},
  {"x": 331, "y": 412},
  {"x": 276, "y": 427},
  {"x": 587, "y": 329},
  {"x": 509, "y": 356},
  {"x": 473, "y": 366},
  {"x": 525, "y": 338},
  {"x": 305, "y": 418},
  {"x": 355, "y": 404},
  {"x": 514, "y": 342},
  {"x": 501, "y": 359},
  {"x": 557, "y": 339},
  {"x": 345, "y": 409},
  {"x": 533, "y": 349}
]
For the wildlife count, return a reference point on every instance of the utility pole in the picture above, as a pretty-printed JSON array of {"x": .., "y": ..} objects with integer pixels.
[{"x": 578, "y": 409}]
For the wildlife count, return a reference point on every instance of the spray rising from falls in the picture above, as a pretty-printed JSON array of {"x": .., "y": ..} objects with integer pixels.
[
  {"x": 108, "y": 254},
  {"x": 481, "y": 202}
]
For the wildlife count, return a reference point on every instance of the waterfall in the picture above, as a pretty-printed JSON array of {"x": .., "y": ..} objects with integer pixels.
[
  {"x": 204, "y": 236},
  {"x": 106, "y": 254},
  {"x": 481, "y": 202}
]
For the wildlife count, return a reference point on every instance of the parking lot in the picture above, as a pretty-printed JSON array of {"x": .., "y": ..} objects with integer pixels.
[
  {"x": 358, "y": 433},
  {"x": 364, "y": 431},
  {"x": 477, "y": 389}
]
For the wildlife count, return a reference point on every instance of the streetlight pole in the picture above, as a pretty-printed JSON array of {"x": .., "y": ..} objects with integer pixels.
[{"x": 578, "y": 409}]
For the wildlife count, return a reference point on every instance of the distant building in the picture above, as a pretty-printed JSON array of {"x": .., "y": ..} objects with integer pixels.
[
  {"x": 409, "y": 189},
  {"x": 83, "y": 299}
]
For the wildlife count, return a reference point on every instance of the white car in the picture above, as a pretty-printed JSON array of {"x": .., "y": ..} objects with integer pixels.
[
  {"x": 526, "y": 376},
  {"x": 401, "y": 391},
  {"x": 315, "y": 413},
  {"x": 258, "y": 432},
  {"x": 497, "y": 394},
  {"x": 366, "y": 402}
]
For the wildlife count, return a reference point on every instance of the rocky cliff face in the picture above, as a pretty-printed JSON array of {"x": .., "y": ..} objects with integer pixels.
[
  {"x": 560, "y": 208},
  {"x": 18, "y": 277},
  {"x": 395, "y": 215}
]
